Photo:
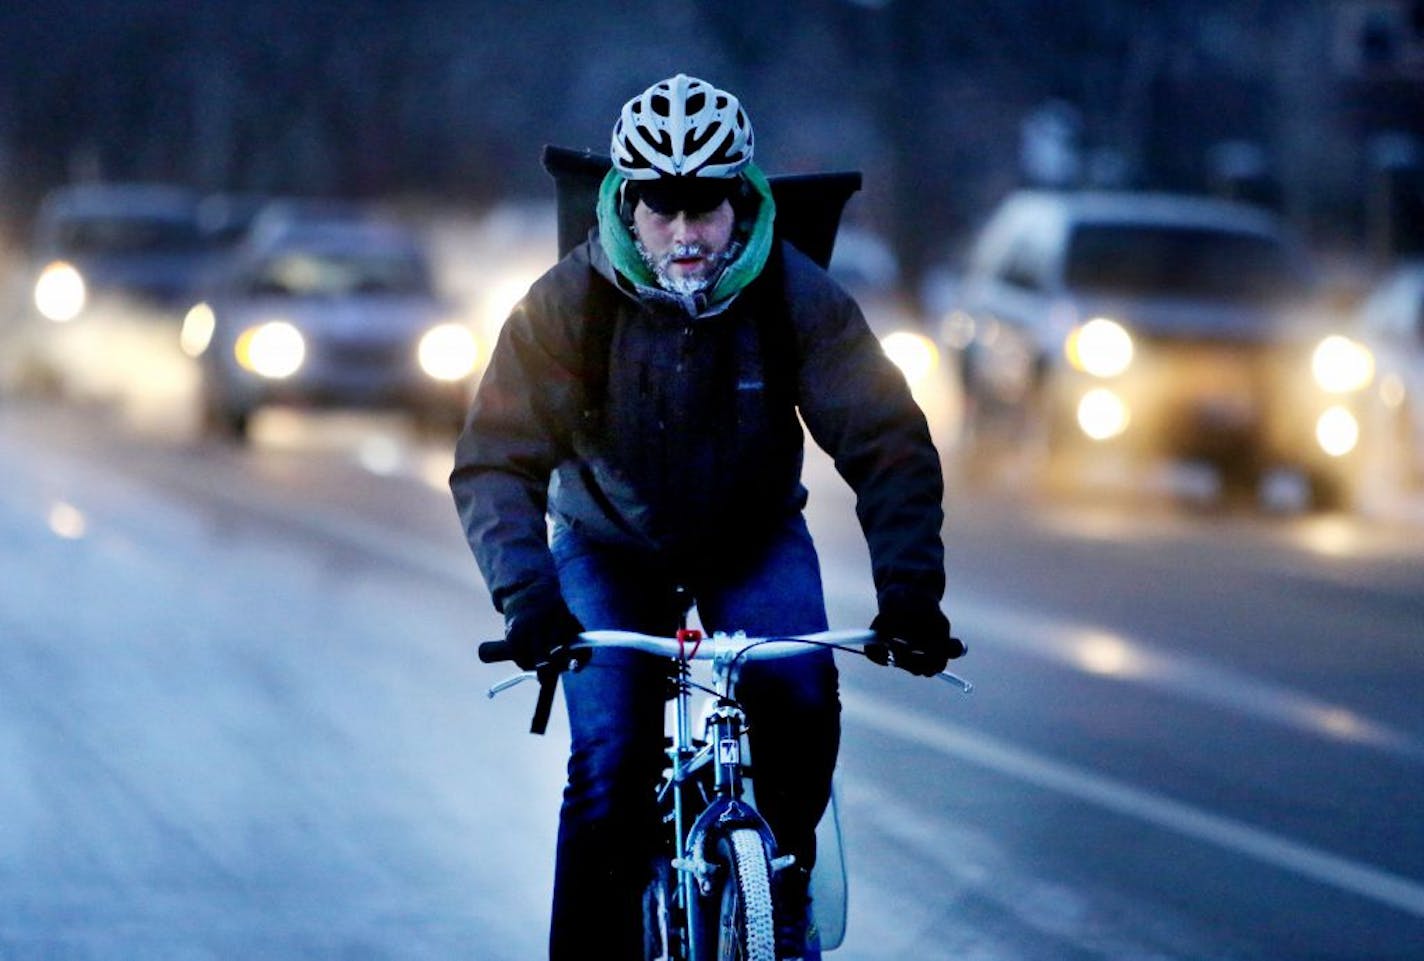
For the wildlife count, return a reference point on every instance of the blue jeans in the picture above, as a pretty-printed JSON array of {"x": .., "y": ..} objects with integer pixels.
[{"x": 609, "y": 828}]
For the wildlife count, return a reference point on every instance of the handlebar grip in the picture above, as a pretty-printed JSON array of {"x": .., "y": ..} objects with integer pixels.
[{"x": 493, "y": 652}]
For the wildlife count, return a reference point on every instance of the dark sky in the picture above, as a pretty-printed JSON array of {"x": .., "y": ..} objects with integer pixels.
[{"x": 451, "y": 101}]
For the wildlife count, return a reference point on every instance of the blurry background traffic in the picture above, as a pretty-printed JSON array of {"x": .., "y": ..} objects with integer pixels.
[{"x": 153, "y": 154}]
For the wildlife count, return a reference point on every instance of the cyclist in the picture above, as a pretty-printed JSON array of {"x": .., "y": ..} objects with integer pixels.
[{"x": 644, "y": 395}]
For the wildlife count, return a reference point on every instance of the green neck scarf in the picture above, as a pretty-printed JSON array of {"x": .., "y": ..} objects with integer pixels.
[{"x": 623, "y": 254}]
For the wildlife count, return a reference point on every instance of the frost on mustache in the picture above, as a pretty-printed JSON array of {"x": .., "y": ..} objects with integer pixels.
[{"x": 686, "y": 286}]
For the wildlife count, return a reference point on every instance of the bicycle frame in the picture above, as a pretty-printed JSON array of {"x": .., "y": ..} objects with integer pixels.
[{"x": 700, "y": 823}]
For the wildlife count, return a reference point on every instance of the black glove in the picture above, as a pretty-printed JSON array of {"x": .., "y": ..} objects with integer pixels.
[
  {"x": 536, "y": 625},
  {"x": 912, "y": 632}
]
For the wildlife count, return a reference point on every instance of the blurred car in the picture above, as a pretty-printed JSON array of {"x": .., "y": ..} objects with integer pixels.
[
  {"x": 329, "y": 314},
  {"x": 1391, "y": 323},
  {"x": 142, "y": 244},
  {"x": 1163, "y": 326},
  {"x": 112, "y": 266}
]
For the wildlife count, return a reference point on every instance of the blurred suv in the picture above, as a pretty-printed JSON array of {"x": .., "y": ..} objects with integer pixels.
[
  {"x": 1391, "y": 323},
  {"x": 329, "y": 314},
  {"x": 1162, "y": 326}
]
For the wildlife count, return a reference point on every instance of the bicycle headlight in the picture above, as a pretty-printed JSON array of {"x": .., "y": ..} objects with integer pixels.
[
  {"x": 1342, "y": 365},
  {"x": 448, "y": 352},
  {"x": 1100, "y": 347},
  {"x": 274, "y": 350},
  {"x": 60, "y": 293}
]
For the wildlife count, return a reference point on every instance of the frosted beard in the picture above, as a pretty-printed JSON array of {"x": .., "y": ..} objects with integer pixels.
[{"x": 683, "y": 285}]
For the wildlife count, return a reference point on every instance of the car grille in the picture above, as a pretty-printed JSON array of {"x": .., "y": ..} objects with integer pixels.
[
  {"x": 347, "y": 354},
  {"x": 1210, "y": 388}
]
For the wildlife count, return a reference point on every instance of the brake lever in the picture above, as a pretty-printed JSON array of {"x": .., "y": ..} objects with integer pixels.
[
  {"x": 954, "y": 680},
  {"x": 576, "y": 659},
  {"x": 511, "y": 681}
]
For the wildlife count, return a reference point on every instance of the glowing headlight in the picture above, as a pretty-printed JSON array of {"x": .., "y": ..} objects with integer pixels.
[
  {"x": 448, "y": 352},
  {"x": 197, "y": 331},
  {"x": 1337, "y": 431},
  {"x": 915, "y": 355},
  {"x": 1341, "y": 365},
  {"x": 274, "y": 349},
  {"x": 1102, "y": 414},
  {"x": 59, "y": 292},
  {"x": 500, "y": 299},
  {"x": 1100, "y": 347}
]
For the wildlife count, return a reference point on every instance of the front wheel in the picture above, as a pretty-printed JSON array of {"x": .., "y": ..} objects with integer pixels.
[{"x": 745, "y": 929}]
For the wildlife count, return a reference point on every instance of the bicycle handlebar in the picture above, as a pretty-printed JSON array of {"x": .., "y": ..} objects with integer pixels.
[
  {"x": 713, "y": 646},
  {"x": 491, "y": 652}
]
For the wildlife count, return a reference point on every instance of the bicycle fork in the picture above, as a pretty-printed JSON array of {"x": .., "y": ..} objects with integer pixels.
[{"x": 726, "y": 810}]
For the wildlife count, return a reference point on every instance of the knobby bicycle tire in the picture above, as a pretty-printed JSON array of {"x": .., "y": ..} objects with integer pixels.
[
  {"x": 745, "y": 930},
  {"x": 663, "y": 924}
]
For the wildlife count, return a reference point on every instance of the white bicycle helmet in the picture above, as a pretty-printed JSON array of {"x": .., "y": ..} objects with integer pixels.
[{"x": 682, "y": 127}]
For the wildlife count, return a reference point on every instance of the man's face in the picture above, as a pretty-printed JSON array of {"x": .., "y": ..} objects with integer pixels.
[{"x": 685, "y": 249}]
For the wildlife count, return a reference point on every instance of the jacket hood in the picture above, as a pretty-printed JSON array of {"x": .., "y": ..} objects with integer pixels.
[{"x": 621, "y": 250}]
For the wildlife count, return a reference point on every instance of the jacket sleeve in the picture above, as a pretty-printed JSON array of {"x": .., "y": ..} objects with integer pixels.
[
  {"x": 517, "y": 431},
  {"x": 858, "y": 408}
]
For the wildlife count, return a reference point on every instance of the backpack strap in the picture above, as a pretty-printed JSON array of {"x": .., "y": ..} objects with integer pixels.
[{"x": 776, "y": 330}]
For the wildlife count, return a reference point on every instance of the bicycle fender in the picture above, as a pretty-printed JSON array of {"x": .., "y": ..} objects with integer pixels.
[{"x": 829, "y": 878}]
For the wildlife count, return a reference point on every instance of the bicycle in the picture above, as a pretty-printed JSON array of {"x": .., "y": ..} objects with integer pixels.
[{"x": 710, "y": 892}]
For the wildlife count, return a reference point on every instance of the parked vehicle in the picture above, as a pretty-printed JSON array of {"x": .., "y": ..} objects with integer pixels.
[
  {"x": 329, "y": 314},
  {"x": 1391, "y": 323},
  {"x": 1160, "y": 326}
]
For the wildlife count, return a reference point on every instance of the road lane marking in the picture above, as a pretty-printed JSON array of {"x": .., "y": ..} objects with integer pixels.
[
  {"x": 1098, "y": 651},
  {"x": 976, "y": 747},
  {"x": 1108, "y": 654}
]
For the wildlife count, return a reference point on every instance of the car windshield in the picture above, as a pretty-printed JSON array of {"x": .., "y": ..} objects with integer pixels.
[
  {"x": 1197, "y": 263},
  {"x": 333, "y": 275},
  {"x": 127, "y": 235}
]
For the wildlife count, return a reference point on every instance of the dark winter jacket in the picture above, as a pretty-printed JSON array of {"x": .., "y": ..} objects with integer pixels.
[{"x": 677, "y": 434}]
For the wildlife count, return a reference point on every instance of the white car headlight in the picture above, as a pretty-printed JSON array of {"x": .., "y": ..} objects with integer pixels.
[
  {"x": 915, "y": 355},
  {"x": 1100, "y": 347},
  {"x": 197, "y": 331},
  {"x": 1337, "y": 431},
  {"x": 1342, "y": 365},
  {"x": 448, "y": 352},
  {"x": 60, "y": 293},
  {"x": 1102, "y": 414},
  {"x": 274, "y": 350}
]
